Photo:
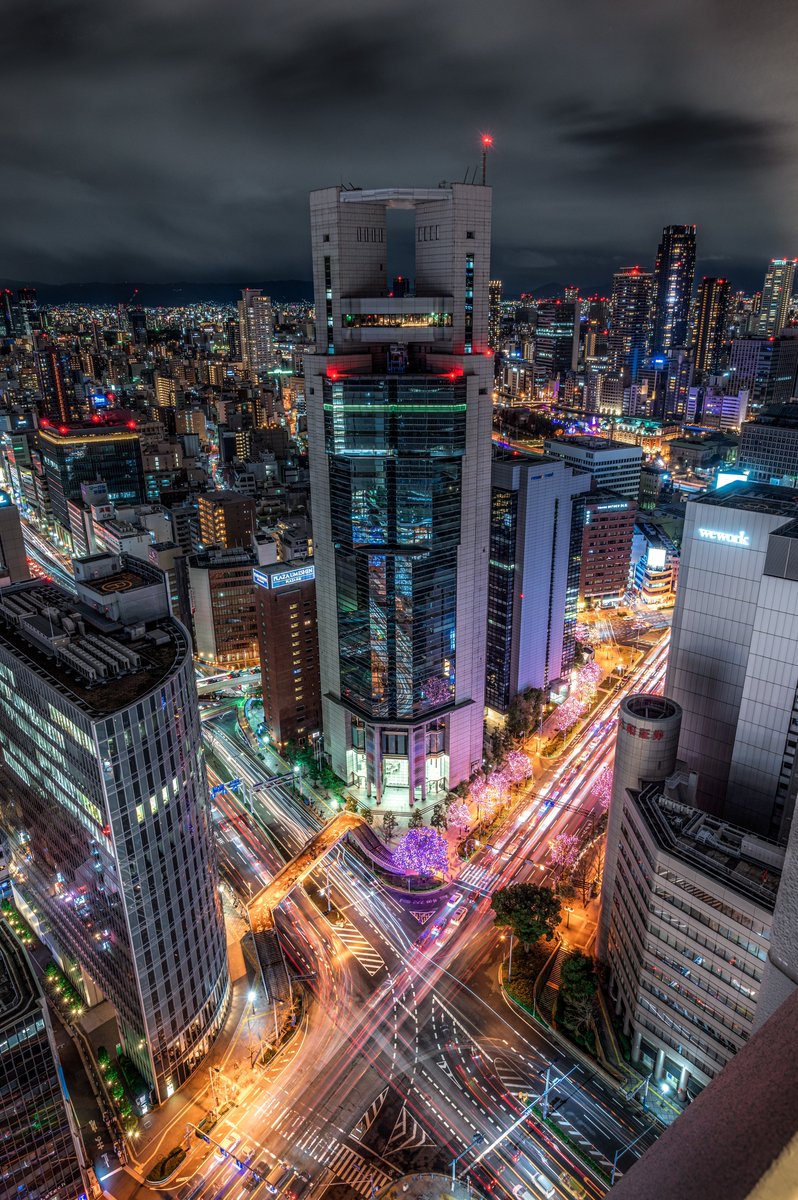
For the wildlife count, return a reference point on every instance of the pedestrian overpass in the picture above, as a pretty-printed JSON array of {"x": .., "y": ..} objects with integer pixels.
[{"x": 261, "y": 907}]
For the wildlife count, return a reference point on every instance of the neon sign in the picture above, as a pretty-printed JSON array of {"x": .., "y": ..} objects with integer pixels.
[
  {"x": 285, "y": 578},
  {"x": 728, "y": 539}
]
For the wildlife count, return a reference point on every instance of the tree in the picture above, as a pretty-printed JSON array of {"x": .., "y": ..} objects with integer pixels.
[
  {"x": 563, "y": 852},
  {"x": 422, "y": 852},
  {"x": 438, "y": 818},
  {"x": 577, "y": 996},
  {"x": 367, "y": 814},
  {"x": 517, "y": 766},
  {"x": 458, "y": 816},
  {"x": 350, "y": 804},
  {"x": 524, "y": 712},
  {"x": 532, "y": 912},
  {"x": 388, "y": 825},
  {"x": 569, "y": 713},
  {"x": 416, "y": 820}
]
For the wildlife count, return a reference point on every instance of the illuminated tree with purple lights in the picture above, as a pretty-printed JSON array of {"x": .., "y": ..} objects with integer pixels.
[
  {"x": 569, "y": 713},
  {"x": 587, "y": 680},
  {"x": 478, "y": 789},
  {"x": 436, "y": 690},
  {"x": 422, "y": 852},
  {"x": 458, "y": 816},
  {"x": 517, "y": 766},
  {"x": 603, "y": 788}
]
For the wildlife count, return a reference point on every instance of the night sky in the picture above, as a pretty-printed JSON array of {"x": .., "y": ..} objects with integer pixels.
[{"x": 157, "y": 140}]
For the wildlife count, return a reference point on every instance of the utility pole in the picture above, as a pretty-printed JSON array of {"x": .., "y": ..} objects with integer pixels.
[
  {"x": 624, "y": 1149},
  {"x": 475, "y": 1141}
]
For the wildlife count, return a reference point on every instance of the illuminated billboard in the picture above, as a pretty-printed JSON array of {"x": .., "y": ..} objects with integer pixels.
[{"x": 289, "y": 578}]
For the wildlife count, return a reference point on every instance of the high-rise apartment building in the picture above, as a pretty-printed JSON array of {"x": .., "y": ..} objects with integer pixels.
[
  {"x": 57, "y": 401},
  {"x": 495, "y": 313},
  {"x": 86, "y": 452},
  {"x": 40, "y": 1151},
  {"x": 256, "y": 332},
  {"x": 12, "y": 547},
  {"x": 776, "y": 293},
  {"x": 613, "y": 465},
  {"x": 399, "y": 418},
  {"x": 535, "y": 548},
  {"x": 106, "y": 806},
  {"x": 285, "y": 599},
  {"x": 630, "y": 321},
  {"x": 733, "y": 664},
  {"x": 673, "y": 287},
  {"x": 714, "y": 297},
  {"x": 226, "y": 520}
]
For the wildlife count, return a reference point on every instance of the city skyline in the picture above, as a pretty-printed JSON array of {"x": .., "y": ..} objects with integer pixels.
[{"x": 156, "y": 153}]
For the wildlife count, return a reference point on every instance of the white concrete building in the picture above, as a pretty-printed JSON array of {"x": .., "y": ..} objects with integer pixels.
[
  {"x": 733, "y": 664},
  {"x": 613, "y": 465},
  {"x": 399, "y": 422}
]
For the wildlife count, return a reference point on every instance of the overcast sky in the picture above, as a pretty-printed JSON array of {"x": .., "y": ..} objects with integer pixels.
[{"x": 157, "y": 140}]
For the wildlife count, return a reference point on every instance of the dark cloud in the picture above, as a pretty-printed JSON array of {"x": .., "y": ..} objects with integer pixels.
[
  {"x": 177, "y": 139},
  {"x": 676, "y": 140}
]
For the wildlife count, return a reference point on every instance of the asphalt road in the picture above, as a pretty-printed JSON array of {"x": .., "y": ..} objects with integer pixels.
[{"x": 410, "y": 1047}]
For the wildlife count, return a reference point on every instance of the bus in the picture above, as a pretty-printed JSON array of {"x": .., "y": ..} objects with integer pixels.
[{"x": 573, "y": 1186}]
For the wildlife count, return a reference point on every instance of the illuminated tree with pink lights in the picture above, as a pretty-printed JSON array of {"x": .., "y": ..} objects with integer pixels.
[
  {"x": 517, "y": 766},
  {"x": 603, "y": 788},
  {"x": 564, "y": 851},
  {"x": 569, "y": 713},
  {"x": 478, "y": 790},
  {"x": 458, "y": 816},
  {"x": 422, "y": 852},
  {"x": 498, "y": 787},
  {"x": 587, "y": 680}
]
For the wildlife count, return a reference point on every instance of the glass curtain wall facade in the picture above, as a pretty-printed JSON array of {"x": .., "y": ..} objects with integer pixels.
[
  {"x": 399, "y": 431},
  {"x": 77, "y": 456}
]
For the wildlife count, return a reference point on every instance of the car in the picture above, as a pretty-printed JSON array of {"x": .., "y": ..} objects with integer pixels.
[
  {"x": 436, "y": 930},
  {"x": 544, "y": 1185},
  {"x": 454, "y": 900},
  {"x": 459, "y": 914},
  {"x": 225, "y": 1148}
]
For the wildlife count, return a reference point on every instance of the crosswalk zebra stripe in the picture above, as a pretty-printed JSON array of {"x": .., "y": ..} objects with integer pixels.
[
  {"x": 350, "y": 1168},
  {"x": 364, "y": 952}
]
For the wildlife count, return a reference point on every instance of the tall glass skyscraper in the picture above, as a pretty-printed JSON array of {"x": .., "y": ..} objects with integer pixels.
[
  {"x": 713, "y": 313},
  {"x": 673, "y": 287},
  {"x": 106, "y": 809},
  {"x": 630, "y": 322},
  {"x": 399, "y": 420}
]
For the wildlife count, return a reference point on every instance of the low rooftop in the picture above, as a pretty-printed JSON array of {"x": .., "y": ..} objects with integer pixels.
[
  {"x": 95, "y": 662},
  {"x": 754, "y": 497},
  {"x": 743, "y": 862},
  {"x": 592, "y": 441}
]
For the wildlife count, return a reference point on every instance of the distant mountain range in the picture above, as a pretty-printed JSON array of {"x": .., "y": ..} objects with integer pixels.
[{"x": 153, "y": 295}]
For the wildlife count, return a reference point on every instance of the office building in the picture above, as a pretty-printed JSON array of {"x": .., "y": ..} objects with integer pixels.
[
  {"x": 776, "y": 294},
  {"x": 714, "y": 297},
  {"x": 769, "y": 446},
  {"x": 655, "y": 565},
  {"x": 674, "y": 270},
  {"x": 495, "y": 313},
  {"x": 12, "y": 547},
  {"x": 607, "y": 530},
  {"x": 732, "y": 666},
  {"x": 535, "y": 549},
  {"x": 399, "y": 420},
  {"x": 557, "y": 338},
  {"x": 223, "y": 607},
  {"x": 255, "y": 331},
  {"x": 285, "y": 599},
  {"x": 226, "y": 520},
  {"x": 106, "y": 450},
  {"x": 715, "y": 409},
  {"x": 738, "y": 1139},
  {"x": 112, "y": 858},
  {"x": 614, "y": 466},
  {"x": 630, "y": 322},
  {"x": 29, "y": 317},
  {"x": 40, "y": 1150},
  {"x": 57, "y": 401},
  {"x": 689, "y": 930}
]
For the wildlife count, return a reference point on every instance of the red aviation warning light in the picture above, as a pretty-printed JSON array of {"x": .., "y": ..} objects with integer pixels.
[{"x": 487, "y": 144}]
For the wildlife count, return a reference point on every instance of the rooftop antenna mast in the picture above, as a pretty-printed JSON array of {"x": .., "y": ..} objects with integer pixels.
[{"x": 487, "y": 144}]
